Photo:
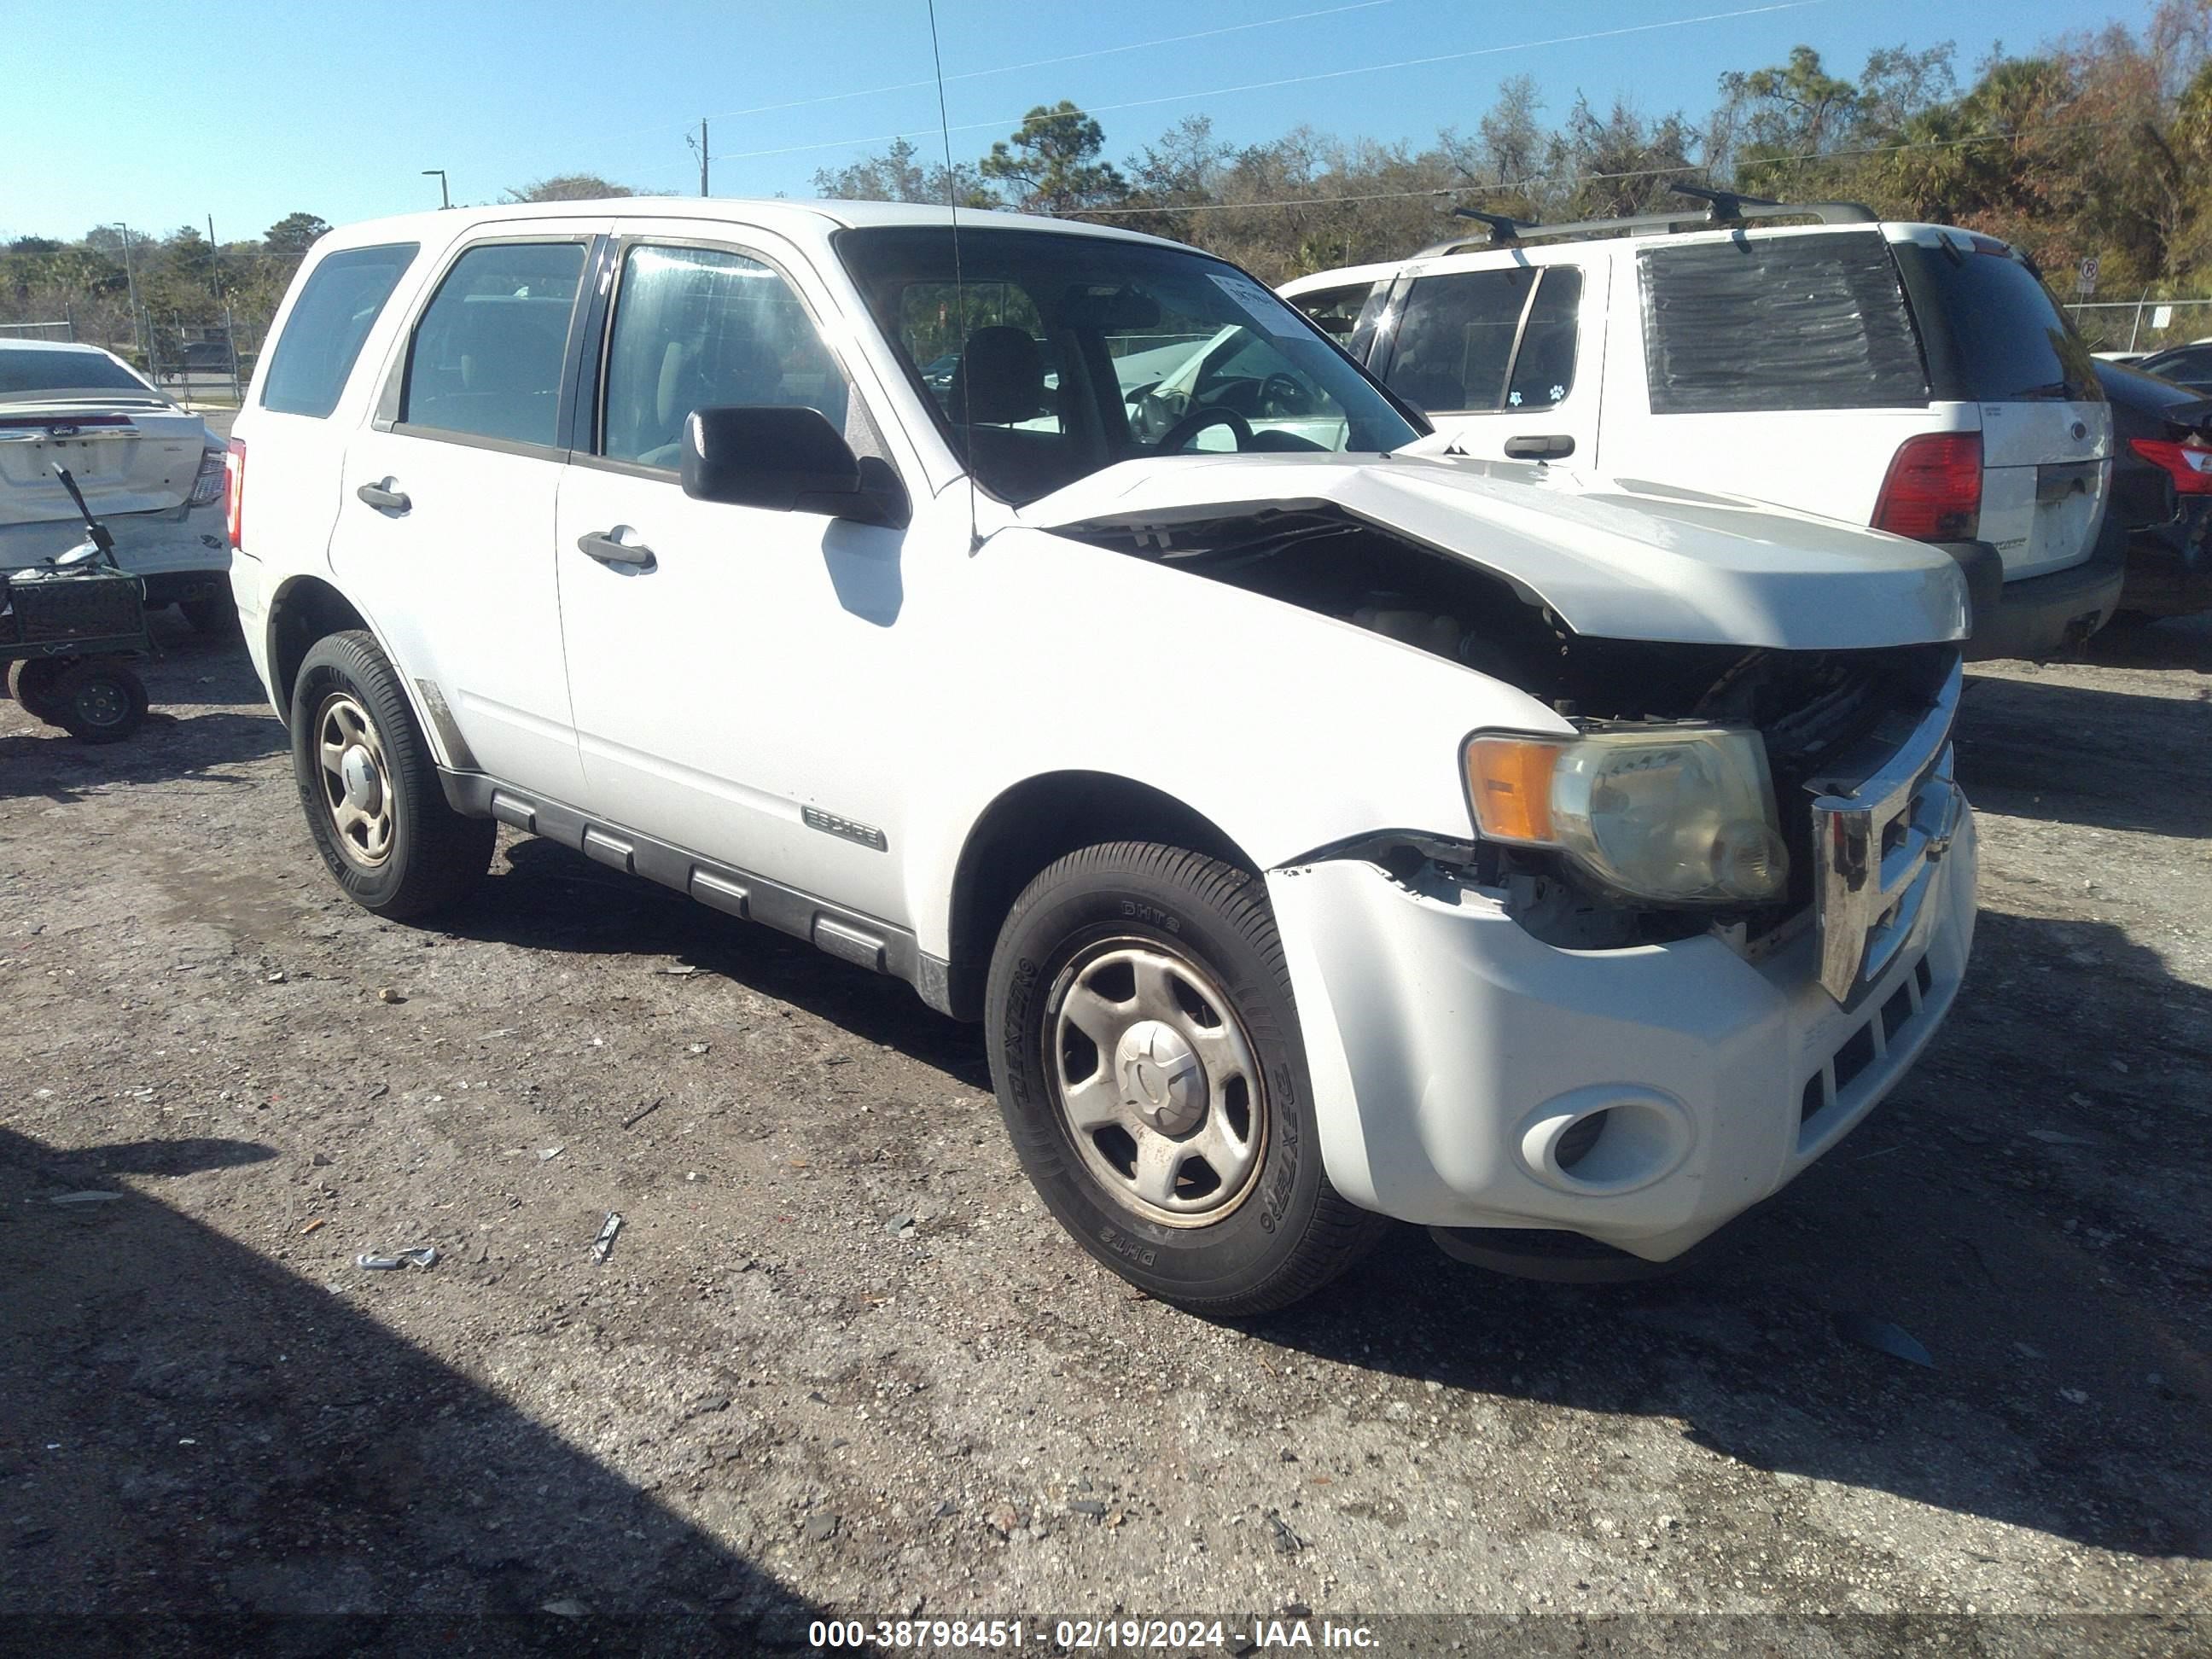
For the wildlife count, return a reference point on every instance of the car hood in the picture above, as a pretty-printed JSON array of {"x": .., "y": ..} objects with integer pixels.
[{"x": 1612, "y": 558}]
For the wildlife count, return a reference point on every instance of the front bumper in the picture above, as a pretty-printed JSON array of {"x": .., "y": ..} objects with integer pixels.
[{"x": 1449, "y": 1050}]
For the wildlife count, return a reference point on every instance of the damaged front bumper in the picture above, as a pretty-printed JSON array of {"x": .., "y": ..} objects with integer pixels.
[{"x": 1458, "y": 1062}]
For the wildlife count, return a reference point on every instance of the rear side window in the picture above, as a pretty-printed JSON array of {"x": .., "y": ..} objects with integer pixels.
[
  {"x": 488, "y": 354},
  {"x": 2005, "y": 339},
  {"x": 1481, "y": 341},
  {"x": 345, "y": 295},
  {"x": 1756, "y": 324}
]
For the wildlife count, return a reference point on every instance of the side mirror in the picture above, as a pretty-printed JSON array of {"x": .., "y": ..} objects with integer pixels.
[{"x": 785, "y": 460}]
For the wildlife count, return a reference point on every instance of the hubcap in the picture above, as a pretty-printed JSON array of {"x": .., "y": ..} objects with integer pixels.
[
  {"x": 1156, "y": 1081},
  {"x": 357, "y": 780},
  {"x": 102, "y": 703}
]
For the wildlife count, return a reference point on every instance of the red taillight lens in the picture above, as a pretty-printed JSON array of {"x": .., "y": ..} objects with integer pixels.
[
  {"x": 2190, "y": 466},
  {"x": 234, "y": 490},
  {"x": 1934, "y": 489}
]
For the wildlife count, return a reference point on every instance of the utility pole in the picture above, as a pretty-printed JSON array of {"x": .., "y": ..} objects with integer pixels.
[
  {"x": 445, "y": 197},
  {"x": 700, "y": 144}
]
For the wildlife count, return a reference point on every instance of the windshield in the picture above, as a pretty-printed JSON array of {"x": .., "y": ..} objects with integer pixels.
[
  {"x": 29, "y": 371},
  {"x": 1055, "y": 355}
]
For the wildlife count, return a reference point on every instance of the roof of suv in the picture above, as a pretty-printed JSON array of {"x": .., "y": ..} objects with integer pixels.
[{"x": 809, "y": 220}]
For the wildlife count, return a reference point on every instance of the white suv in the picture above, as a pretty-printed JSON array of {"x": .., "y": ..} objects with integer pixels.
[
  {"x": 1324, "y": 831},
  {"x": 1915, "y": 378}
]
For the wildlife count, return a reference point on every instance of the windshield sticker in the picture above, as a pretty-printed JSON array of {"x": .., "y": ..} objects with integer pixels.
[{"x": 1262, "y": 306}]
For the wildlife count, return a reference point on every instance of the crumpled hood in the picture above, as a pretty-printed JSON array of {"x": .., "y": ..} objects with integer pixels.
[{"x": 1613, "y": 559}]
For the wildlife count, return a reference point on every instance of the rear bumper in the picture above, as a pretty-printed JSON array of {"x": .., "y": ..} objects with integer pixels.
[
  {"x": 180, "y": 542},
  {"x": 2043, "y": 616},
  {"x": 1447, "y": 1048}
]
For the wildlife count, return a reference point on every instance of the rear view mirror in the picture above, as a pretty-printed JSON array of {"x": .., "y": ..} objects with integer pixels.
[{"x": 785, "y": 460}]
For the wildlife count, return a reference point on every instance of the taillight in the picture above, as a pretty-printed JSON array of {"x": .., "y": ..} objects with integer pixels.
[
  {"x": 233, "y": 485},
  {"x": 209, "y": 483},
  {"x": 1934, "y": 489},
  {"x": 2189, "y": 464}
]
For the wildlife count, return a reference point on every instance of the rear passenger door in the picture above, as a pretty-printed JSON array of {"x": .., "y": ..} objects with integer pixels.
[
  {"x": 445, "y": 528},
  {"x": 1500, "y": 358}
]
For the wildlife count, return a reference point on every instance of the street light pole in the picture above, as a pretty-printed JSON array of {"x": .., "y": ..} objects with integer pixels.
[{"x": 445, "y": 198}]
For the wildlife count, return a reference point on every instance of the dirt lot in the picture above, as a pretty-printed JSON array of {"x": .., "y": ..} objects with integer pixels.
[{"x": 840, "y": 1359}]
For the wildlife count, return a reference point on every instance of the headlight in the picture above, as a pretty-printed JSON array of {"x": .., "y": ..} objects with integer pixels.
[{"x": 1682, "y": 814}]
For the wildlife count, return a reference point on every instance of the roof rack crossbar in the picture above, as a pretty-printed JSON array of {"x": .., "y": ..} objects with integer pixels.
[{"x": 1722, "y": 208}]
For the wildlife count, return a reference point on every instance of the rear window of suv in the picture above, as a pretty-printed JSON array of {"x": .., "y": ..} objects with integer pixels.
[
  {"x": 1995, "y": 335},
  {"x": 329, "y": 324},
  {"x": 1762, "y": 323}
]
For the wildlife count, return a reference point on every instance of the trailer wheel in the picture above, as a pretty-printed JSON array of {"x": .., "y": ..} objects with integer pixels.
[
  {"x": 31, "y": 682},
  {"x": 98, "y": 700}
]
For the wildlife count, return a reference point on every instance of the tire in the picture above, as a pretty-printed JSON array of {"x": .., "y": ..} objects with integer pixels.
[
  {"x": 376, "y": 812},
  {"x": 1173, "y": 958},
  {"x": 98, "y": 700},
  {"x": 216, "y": 616},
  {"x": 31, "y": 682}
]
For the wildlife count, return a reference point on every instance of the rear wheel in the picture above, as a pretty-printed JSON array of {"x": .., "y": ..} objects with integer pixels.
[
  {"x": 31, "y": 684},
  {"x": 1146, "y": 1050},
  {"x": 98, "y": 700},
  {"x": 370, "y": 789}
]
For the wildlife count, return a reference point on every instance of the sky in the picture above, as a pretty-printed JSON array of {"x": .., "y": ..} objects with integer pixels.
[{"x": 335, "y": 108}]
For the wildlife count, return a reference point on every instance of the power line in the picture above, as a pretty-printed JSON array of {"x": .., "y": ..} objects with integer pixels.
[
  {"x": 1299, "y": 80},
  {"x": 1037, "y": 62}
]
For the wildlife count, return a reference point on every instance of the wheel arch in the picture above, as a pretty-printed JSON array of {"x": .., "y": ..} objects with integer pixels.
[
  {"x": 305, "y": 609},
  {"x": 1041, "y": 819}
]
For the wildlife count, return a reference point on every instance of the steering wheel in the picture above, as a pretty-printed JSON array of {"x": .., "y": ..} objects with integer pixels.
[
  {"x": 1196, "y": 421},
  {"x": 1282, "y": 394}
]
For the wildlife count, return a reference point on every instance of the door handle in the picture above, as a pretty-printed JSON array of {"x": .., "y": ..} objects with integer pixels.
[
  {"x": 383, "y": 496},
  {"x": 1545, "y": 446},
  {"x": 607, "y": 547}
]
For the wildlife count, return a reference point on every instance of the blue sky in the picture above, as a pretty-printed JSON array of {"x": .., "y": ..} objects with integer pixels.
[{"x": 335, "y": 108}]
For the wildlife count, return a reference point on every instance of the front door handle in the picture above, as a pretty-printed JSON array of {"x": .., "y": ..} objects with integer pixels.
[
  {"x": 1544, "y": 447},
  {"x": 608, "y": 547},
  {"x": 385, "y": 495}
]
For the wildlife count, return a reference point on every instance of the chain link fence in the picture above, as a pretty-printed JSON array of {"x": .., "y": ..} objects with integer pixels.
[{"x": 2145, "y": 324}]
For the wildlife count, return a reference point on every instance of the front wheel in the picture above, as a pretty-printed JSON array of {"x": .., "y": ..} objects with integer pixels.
[
  {"x": 1146, "y": 1050},
  {"x": 370, "y": 789}
]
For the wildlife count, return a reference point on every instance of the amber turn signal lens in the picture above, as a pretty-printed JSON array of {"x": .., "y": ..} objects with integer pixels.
[{"x": 1508, "y": 780}]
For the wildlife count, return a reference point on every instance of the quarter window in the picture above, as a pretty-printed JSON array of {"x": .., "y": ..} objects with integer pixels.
[
  {"x": 330, "y": 322},
  {"x": 701, "y": 328},
  {"x": 487, "y": 355}
]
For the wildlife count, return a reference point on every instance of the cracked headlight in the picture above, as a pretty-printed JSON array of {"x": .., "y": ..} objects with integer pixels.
[{"x": 1682, "y": 814}]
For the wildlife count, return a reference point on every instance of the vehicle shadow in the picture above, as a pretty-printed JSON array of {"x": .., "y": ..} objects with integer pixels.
[
  {"x": 550, "y": 898},
  {"x": 38, "y": 760},
  {"x": 213, "y": 1453},
  {"x": 2179, "y": 642},
  {"x": 2034, "y": 1216},
  {"x": 2046, "y": 749}
]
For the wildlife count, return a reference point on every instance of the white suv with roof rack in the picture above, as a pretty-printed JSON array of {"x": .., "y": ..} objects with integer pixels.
[
  {"x": 1915, "y": 378},
  {"x": 1322, "y": 827}
]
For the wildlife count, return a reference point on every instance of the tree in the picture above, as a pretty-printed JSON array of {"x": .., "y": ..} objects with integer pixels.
[
  {"x": 899, "y": 175},
  {"x": 570, "y": 187},
  {"x": 1052, "y": 163},
  {"x": 295, "y": 232}
]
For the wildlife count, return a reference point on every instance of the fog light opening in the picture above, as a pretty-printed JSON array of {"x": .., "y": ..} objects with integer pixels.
[{"x": 1580, "y": 1139}]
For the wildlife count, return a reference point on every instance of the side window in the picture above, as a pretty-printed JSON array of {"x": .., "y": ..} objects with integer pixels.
[
  {"x": 1544, "y": 366},
  {"x": 701, "y": 328},
  {"x": 1336, "y": 309},
  {"x": 1761, "y": 323},
  {"x": 487, "y": 355},
  {"x": 330, "y": 321},
  {"x": 1455, "y": 338}
]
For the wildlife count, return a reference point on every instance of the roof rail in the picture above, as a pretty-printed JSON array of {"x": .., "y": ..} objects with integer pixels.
[{"x": 1722, "y": 208}]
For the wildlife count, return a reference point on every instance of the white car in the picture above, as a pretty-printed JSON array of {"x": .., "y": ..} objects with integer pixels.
[
  {"x": 151, "y": 471},
  {"x": 1915, "y": 378},
  {"x": 1324, "y": 831}
]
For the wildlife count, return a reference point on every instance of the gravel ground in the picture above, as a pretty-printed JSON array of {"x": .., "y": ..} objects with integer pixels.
[{"x": 840, "y": 1359}]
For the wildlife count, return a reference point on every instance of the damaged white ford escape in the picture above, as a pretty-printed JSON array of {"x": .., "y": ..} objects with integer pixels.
[{"x": 1325, "y": 830}]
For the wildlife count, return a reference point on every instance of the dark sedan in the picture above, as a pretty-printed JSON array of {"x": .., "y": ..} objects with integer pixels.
[
  {"x": 2162, "y": 490},
  {"x": 2187, "y": 365}
]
